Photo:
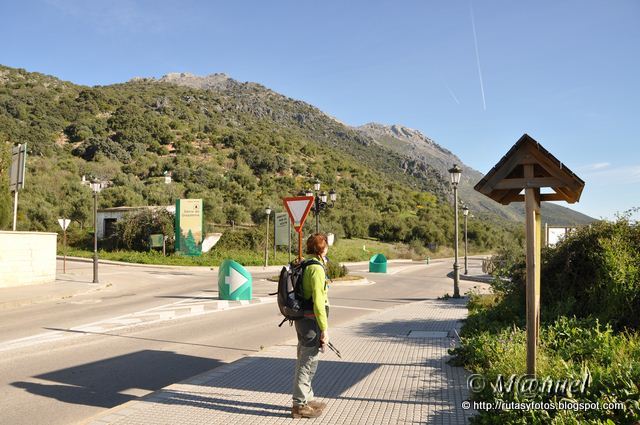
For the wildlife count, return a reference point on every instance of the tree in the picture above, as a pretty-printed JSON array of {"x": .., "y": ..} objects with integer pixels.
[
  {"x": 5, "y": 196},
  {"x": 133, "y": 231}
]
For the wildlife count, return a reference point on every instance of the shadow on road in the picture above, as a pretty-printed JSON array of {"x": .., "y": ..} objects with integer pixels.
[
  {"x": 150, "y": 339},
  {"x": 101, "y": 383}
]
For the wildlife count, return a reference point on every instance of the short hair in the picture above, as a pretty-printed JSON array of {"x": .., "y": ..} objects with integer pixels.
[{"x": 316, "y": 243}]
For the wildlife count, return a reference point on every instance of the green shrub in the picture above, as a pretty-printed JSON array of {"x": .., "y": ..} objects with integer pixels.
[
  {"x": 335, "y": 270},
  {"x": 133, "y": 231}
]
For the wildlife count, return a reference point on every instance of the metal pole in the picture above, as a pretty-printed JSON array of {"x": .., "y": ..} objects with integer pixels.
[
  {"x": 456, "y": 266},
  {"x": 274, "y": 239},
  {"x": 266, "y": 245},
  {"x": 15, "y": 209},
  {"x": 466, "y": 269},
  {"x": 64, "y": 244},
  {"x": 95, "y": 236},
  {"x": 316, "y": 209},
  {"x": 289, "y": 221}
]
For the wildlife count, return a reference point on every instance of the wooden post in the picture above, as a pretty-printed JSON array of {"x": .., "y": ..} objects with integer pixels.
[{"x": 533, "y": 233}]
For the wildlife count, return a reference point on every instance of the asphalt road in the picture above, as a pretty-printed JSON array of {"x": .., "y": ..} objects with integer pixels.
[{"x": 64, "y": 361}]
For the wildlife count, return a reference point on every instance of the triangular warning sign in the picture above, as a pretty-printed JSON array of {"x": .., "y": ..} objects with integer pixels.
[{"x": 298, "y": 208}]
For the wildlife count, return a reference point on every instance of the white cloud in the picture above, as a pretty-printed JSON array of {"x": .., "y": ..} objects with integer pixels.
[{"x": 595, "y": 166}]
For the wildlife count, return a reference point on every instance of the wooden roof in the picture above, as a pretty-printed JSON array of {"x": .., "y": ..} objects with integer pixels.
[{"x": 508, "y": 177}]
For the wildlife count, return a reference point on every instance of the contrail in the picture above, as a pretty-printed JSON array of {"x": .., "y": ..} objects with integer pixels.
[
  {"x": 475, "y": 43},
  {"x": 453, "y": 95}
]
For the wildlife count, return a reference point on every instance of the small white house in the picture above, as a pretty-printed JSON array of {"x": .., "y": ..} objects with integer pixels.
[{"x": 108, "y": 217}]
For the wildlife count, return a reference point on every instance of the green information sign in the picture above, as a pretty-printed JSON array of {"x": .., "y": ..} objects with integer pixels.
[
  {"x": 156, "y": 241},
  {"x": 234, "y": 281},
  {"x": 189, "y": 226}
]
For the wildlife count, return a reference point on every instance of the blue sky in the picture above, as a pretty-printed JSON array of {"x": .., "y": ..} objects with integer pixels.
[{"x": 565, "y": 72}]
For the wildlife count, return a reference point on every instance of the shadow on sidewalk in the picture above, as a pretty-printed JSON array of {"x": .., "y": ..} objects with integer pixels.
[{"x": 102, "y": 383}]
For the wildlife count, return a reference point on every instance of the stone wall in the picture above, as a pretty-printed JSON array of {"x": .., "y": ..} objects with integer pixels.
[{"x": 27, "y": 258}]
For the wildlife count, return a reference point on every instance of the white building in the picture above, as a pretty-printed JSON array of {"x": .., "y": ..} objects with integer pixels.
[{"x": 108, "y": 217}]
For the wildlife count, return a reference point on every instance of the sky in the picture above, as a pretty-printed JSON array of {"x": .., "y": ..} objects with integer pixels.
[{"x": 472, "y": 75}]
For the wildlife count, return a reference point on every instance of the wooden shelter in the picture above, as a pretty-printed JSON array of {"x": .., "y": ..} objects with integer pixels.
[{"x": 518, "y": 177}]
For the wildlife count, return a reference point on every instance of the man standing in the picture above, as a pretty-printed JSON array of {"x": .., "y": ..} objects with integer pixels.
[{"x": 312, "y": 330}]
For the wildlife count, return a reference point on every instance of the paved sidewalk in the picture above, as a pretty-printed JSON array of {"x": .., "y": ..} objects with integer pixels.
[{"x": 387, "y": 376}]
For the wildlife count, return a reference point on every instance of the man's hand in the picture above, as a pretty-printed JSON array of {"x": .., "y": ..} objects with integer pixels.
[{"x": 324, "y": 339}]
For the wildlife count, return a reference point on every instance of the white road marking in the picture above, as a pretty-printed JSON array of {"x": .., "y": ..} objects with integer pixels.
[
  {"x": 355, "y": 308},
  {"x": 182, "y": 309}
]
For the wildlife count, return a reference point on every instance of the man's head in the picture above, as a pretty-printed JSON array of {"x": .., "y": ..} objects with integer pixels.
[{"x": 317, "y": 244}]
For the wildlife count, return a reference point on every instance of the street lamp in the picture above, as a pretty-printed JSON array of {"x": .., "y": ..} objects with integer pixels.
[
  {"x": 455, "y": 173},
  {"x": 95, "y": 187},
  {"x": 267, "y": 211},
  {"x": 320, "y": 201},
  {"x": 465, "y": 213}
]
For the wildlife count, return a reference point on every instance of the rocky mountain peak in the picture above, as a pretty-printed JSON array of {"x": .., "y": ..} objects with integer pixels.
[
  {"x": 217, "y": 81},
  {"x": 400, "y": 132}
]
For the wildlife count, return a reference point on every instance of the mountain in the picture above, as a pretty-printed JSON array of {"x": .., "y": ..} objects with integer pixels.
[
  {"x": 237, "y": 145},
  {"x": 413, "y": 144}
]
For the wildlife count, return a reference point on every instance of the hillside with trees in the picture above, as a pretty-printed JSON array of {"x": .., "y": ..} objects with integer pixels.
[{"x": 238, "y": 146}]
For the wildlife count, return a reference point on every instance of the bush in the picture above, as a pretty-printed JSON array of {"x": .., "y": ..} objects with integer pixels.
[
  {"x": 335, "y": 270},
  {"x": 134, "y": 230},
  {"x": 589, "y": 322}
]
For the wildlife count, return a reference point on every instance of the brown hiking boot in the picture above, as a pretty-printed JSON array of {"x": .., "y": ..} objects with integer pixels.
[
  {"x": 306, "y": 411},
  {"x": 318, "y": 405}
]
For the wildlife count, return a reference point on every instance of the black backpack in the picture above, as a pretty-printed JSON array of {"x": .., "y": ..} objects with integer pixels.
[{"x": 290, "y": 297}]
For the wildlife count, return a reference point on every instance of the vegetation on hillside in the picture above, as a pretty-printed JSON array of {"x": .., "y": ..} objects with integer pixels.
[{"x": 239, "y": 150}]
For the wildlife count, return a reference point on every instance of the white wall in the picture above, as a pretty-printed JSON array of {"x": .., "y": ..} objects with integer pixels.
[{"x": 27, "y": 258}]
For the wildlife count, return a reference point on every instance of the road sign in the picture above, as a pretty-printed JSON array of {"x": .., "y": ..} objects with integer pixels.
[
  {"x": 64, "y": 223},
  {"x": 234, "y": 281},
  {"x": 282, "y": 229},
  {"x": 298, "y": 208},
  {"x": 18, "y": 161}
]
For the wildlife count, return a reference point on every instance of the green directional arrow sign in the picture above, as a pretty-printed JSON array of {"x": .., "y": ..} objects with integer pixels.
[{"x": 234, "y": 281}]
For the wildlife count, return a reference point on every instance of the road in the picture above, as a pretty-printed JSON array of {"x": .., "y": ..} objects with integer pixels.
[{"x": 66, "y": 360}]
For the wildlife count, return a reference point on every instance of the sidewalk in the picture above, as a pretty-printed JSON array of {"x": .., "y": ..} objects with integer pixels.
[{"x": 388, "y": 375}]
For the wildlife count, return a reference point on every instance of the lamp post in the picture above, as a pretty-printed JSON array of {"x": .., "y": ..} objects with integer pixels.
[
  {"x": 320, "y": 201},
  {"x": 95, "y": 186},
  {"x": 267, "y": 211},
  {"x": 465, "y": 213},
  {"x": 455, "y": 173}
]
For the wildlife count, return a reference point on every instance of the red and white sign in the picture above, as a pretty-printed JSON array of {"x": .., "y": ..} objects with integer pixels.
[
  {"x": 298, "y": 208},
  {"x": 64, "y": 223}
]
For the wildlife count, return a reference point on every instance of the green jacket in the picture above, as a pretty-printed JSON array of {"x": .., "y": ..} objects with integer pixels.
[{"x": 314, "y": 284}]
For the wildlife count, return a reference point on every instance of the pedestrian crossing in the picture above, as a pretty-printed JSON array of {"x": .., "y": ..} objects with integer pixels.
[{"x": 194, "y": 305}]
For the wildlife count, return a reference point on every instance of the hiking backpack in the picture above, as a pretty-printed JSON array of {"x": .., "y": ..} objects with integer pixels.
[{"x": 291, "y": 301}]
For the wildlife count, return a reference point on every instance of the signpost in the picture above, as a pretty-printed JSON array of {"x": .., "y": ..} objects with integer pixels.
[
  {"x": 158, "y": 241},
  {"x": 16, "y": 176},
  {"x": 189, "y": 226},
  {"x": 298, "y": 208},
  {"x": 529, "y": 167},
  {"x": 282, "y": 232},
  {"x": 64, "y": 223}
]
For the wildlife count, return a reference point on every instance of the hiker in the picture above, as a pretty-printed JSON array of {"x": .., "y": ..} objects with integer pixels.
[{"x": 312, "y": 330}]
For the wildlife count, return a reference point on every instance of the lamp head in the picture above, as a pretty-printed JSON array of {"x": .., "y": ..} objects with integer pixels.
[{"x": 455, "y": 173}]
